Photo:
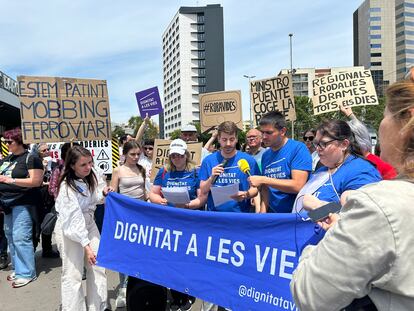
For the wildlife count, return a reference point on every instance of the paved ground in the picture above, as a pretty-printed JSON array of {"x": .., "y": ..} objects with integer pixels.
[{"x": 44, "y": 293}]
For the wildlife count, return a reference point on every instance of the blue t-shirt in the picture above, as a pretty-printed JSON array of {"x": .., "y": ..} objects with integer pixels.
[
  {"x": 232, "y": 174},
  {"x": 279, "y": 164},
  {"x": 188, "y": 179},
  {"x": 352, "y": 174}
]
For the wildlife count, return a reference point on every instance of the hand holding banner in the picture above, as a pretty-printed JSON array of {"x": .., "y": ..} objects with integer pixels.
[{"x": 237, "y": 260}]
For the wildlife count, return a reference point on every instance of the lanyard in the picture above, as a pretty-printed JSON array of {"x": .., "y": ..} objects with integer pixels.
[{"x": 7, "y": 167}]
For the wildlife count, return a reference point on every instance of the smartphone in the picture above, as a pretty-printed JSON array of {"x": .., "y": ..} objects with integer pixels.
[{"x": 322, "y": 212}]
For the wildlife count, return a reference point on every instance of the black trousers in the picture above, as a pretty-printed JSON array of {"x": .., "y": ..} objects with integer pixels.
[{"x": 3, "y": 239}]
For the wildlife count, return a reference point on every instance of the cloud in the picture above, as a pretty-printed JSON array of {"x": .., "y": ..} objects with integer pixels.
[{"x": 121, "y": 41}]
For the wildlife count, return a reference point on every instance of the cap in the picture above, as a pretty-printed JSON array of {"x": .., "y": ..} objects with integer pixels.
[
  {"x": 188, "y": 128},
  {"x": 178, "y": 146}
]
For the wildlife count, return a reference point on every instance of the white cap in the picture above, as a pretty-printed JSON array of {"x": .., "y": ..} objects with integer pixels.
[
  {"x": 188, "y": 128},
  {"x": 178, "y": 146}
]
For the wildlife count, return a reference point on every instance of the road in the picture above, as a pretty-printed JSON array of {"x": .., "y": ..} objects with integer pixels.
[{"x": 44, "y": 293}]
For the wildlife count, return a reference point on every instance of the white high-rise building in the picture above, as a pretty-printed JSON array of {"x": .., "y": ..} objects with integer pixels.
[
  {"x": 374, "y": 41},
  {"x": 193, "y": 63}
]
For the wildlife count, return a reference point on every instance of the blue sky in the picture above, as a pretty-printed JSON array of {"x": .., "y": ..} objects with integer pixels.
[{"x": 120, "y": 41}]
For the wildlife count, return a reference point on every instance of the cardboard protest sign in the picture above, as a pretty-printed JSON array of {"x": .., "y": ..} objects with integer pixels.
[
  {"x": 63, "y": 109},
  {"x": 350, "y": 89},
  {"x": 161, "y": 153},
  {"x": 272, "y": 94},
  {"x": 149, "y": 102},
  {"x": 101, "y": 151},
  {"x": 218, "y": 107}
]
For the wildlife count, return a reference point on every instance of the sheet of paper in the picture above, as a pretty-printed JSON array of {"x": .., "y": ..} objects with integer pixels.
[
  {"x": 223, "y": 194},
  {"x": 176, "y": 195}
]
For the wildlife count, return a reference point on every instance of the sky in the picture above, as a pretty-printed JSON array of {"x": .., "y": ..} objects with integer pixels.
[{"x": 121, "y": 41}]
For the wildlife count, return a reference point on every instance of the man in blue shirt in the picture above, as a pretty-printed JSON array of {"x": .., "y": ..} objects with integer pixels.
[
  {"x": 221, "y": 169},
  {"x": 285, "y": 166}
]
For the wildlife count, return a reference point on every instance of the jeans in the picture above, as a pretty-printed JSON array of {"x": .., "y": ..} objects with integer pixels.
[{"x": 18, "y": 226}]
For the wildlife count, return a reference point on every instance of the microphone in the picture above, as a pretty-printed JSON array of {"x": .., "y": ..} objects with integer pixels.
[
  {"x": 223, "y": 163},
  {"x": 244, "y": 166}
]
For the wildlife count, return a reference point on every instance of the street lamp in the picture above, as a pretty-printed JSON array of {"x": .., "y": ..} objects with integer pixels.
[
  {"x": 291, "y": 72},
  {"x": 250, "y": 100}
]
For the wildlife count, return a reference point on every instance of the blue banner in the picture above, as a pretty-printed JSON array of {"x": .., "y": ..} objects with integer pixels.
[{"x": 236, "y": 260}]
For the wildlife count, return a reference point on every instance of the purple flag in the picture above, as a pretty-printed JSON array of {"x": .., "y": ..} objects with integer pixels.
[{"x": 149, "y": 102}]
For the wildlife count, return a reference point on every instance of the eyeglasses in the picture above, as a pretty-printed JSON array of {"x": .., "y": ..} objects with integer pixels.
[
  {"x": 310, "y": 138},
  {"x": 251, "y": 137},
  {"x": 176, "y": 155},
  {"x": 9, "y": 142},
  {"x": 322, "y": 144},
  {"x": 148, "y": 148}
]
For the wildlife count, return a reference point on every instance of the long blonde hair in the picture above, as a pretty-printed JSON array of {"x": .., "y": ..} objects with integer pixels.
[{"x": 400, "y": 100}]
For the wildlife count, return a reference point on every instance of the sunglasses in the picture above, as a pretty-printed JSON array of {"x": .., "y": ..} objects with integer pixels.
[
  {"x": 9, "y": 142},
  {"x": 44, "y": 150},
  {"x": 176, "y": 155},
  {"x": 322, "y": 144},
  {"x": 310, "y": 138},
  {"x": 148, "y": 148}
]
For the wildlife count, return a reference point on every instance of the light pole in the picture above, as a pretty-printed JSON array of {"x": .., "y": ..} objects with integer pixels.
[
  {"x": 291, "y": 72},
  {"x": 250, "y": 100}
]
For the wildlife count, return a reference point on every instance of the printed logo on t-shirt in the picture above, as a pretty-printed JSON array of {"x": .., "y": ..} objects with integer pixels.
[
  {"x": 228, "y": 177},
  {"x": 179, "y": 182},
  {"x": 275, "y": 169}
]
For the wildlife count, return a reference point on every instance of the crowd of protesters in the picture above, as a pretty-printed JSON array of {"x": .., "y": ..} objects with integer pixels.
[{"x": 330, "y": 164}]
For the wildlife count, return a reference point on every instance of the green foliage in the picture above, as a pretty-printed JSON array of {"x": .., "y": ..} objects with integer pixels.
[
  {"x": 118, "y": 132},
  {"x": 305, "y": 119},
  {"x": 175, "y": 134},
  {"x": 150, "y": 133}
]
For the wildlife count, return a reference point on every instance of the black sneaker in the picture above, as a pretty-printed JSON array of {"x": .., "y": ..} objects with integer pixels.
[{"x": 3, "y": 262}]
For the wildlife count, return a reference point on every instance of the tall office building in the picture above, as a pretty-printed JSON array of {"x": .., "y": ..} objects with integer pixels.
[
  {"x": 374, "y": 41},
  {"x": 193, "y": 63},
  {"x": 404, "y": 29}
]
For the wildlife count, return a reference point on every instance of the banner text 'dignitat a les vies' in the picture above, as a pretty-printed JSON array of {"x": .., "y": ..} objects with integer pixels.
[{"x": 237, "y": 260}]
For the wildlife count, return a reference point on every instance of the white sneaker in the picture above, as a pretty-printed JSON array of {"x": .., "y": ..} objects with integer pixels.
[{"x": 120, "y": 301}]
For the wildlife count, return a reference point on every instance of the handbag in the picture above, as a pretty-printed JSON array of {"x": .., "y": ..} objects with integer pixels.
[{"x": 49, "y": 222}]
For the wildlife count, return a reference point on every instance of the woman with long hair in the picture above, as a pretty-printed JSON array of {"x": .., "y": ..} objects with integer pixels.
[
  {"x": 179, "y": 173},
  {"x": 129, "y": 179},
  {"x": 78, "y": 234},
  {"x": 368, "y": 249}
]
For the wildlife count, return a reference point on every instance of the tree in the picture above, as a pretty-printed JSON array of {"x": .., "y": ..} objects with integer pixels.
[
  {"x": 118, "y": 132},
  {"x": 305, "y": 119},
  {"x": 150, "y": 133}
]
